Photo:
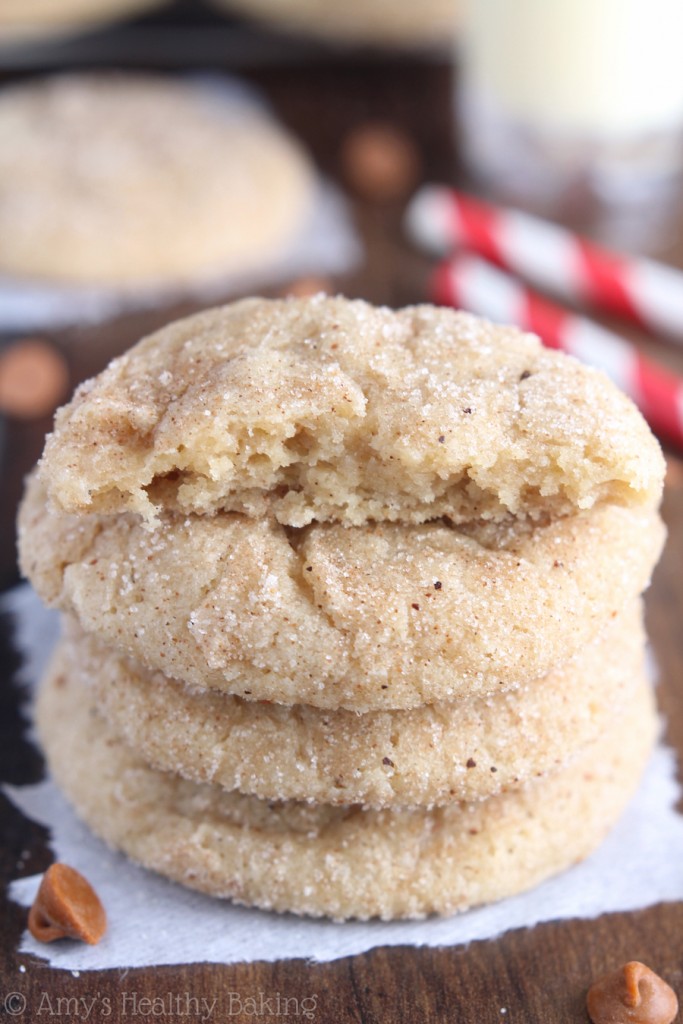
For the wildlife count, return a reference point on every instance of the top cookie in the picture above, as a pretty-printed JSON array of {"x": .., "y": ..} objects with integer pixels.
[{"x": 332, "y": 410}]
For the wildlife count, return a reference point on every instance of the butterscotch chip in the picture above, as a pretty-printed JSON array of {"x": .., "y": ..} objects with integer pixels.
[
  {"x": 339, "y": 861},
  {"x": 381, "y": 162},
  {"x": 632, "y": 995},
  {"x": 466, "y": 750},
  {"x": 674, "y": 472},
  {"x": 66, "y": 906},
  {"x": 33, "y": 378}
]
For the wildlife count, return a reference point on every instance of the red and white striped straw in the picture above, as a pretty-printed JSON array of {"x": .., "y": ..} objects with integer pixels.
[
  {"x": 441, "y": 220},
  {"x": 468, "y": 282}
]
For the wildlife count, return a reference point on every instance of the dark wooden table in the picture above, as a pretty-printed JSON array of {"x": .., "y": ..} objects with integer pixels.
[{"x": 539, "y": 974}]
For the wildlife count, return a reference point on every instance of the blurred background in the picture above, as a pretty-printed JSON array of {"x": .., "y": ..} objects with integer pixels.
[{"x": 158, "y": 156}]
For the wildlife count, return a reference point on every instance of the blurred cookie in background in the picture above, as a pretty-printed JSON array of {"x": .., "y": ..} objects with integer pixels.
[
  {"x": 401, "y": 23},
  {"x": 137, "y": 180},
  {"x": 22, "y": 20}
]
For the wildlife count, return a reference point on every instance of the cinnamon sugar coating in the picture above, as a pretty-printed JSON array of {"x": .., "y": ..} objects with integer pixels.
[
  {"x": 338, "y": 861},
  {"x": 329, "y": 410},
  {"x": 467, "y": 749},
  {"x": 366, "y": 618}
]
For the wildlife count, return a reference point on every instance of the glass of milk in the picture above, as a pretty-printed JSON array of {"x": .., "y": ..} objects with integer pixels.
[{"x": 574, "y": 103}]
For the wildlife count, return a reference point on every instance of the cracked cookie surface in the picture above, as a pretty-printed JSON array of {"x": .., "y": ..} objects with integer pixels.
[
  {"x": 340, "y": 862},
  {"x": 365, "y": 618},
  {"x": 333, "y": 410},
  {"x": 468, "y": 749}
]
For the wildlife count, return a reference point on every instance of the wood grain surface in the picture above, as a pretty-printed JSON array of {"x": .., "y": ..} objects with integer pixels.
[{"x": 530, "y": 975}]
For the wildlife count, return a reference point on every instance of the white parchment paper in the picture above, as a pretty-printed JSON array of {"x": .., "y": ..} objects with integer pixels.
[{"x": 155, "y": 922}]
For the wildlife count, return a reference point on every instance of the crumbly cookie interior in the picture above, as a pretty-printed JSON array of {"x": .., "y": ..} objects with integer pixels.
[{"x": 330, "y": 410}]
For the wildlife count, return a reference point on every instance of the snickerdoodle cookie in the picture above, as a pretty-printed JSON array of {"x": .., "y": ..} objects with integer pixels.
[
  {"x": 128, "y": 180},
  {"x": 325, "y": 409},
  {"x": 465, "y": 750},
  {"x": 381, "y": 616},
  {"x": 400, "y": 23},
  {"x": 22, "y": 20},
  {"x": 338, "y": 861}
]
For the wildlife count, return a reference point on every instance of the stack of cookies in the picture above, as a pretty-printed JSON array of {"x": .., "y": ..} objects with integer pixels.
[{"x": 353, "y": 624}]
